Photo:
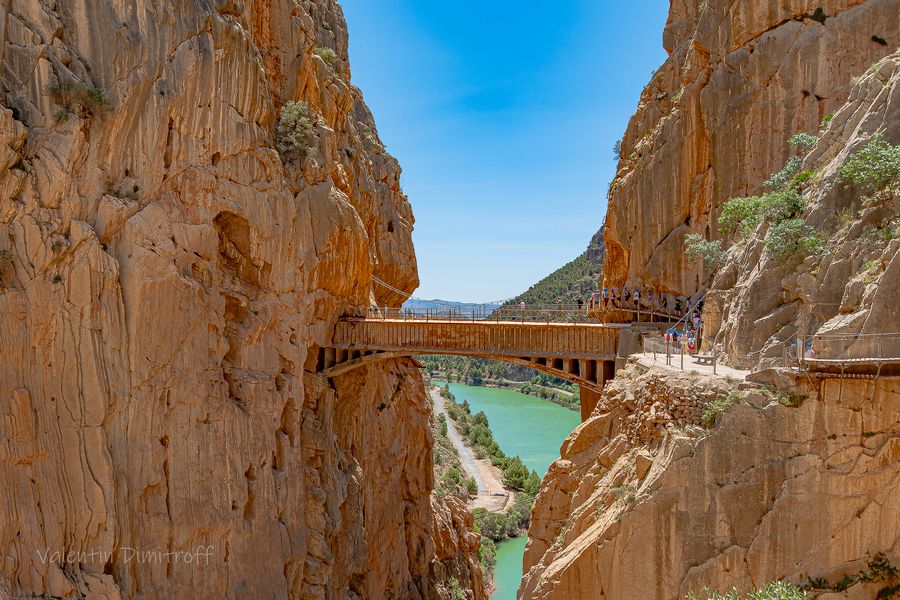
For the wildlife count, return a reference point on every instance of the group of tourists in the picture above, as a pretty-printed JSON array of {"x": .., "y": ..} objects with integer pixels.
[
  {"x": 638, "y": 300},
  {"x": 688, "y": 337}
]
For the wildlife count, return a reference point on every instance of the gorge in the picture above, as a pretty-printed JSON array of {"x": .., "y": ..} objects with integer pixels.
[{"x": 195, "y": 203}]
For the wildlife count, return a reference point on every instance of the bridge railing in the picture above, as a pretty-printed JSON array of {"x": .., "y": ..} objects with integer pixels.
[
  {"x": 552, "y": 313},
  {"x": 548, "y": 314},
  {"x": 842, "y": 350}
]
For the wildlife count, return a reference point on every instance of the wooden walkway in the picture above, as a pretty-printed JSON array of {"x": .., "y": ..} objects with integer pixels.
[{"x": 583, "y": 353}]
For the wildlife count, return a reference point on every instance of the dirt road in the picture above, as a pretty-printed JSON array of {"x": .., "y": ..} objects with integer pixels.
[{"x": 487, "y": 476}]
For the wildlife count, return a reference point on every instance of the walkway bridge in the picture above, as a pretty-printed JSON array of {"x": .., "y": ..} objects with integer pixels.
[{"x": 556, "y": 340}]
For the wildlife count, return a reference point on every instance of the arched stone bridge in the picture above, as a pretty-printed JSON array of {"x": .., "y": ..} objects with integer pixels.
[{"x": 583, "y": 353}]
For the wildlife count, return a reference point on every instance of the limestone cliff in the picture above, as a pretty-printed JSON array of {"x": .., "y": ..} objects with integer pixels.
[
  {"x": 713, "y": 123},
  {"x": 646, "y": 504},
  {"x": 191, "y": 193},
  {"x": 758, "y": 302}
]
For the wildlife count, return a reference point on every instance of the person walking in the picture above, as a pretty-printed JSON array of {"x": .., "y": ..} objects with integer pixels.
[{"x": 522, "y": 309}]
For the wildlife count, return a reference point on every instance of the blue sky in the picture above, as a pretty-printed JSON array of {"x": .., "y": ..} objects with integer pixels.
[{"x": 503, "y": 119}]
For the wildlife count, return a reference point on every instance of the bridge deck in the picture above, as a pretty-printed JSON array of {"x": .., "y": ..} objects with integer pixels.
[{"x": 481, "y": 338}]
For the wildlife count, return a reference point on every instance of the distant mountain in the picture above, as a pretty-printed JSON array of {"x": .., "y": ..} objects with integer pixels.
[
  {"x": 419, "y": 304},
  {"x": 576, "y": 279}
]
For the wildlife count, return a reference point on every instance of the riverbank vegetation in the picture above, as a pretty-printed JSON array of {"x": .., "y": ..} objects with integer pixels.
[
  {"x": 449, "y": 475},
  {"x": 493, "y": 373},
  {"x": 476, "y": 433}
]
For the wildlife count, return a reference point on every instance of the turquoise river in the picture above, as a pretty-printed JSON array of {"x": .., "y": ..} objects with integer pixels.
[{"x": 532, "y": 428}]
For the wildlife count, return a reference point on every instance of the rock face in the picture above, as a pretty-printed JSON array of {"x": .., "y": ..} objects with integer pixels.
[
  {"x": 166, "y": 280},
  {"x": 771, "y": 492},
  {"x": 713, "y": 123},
  {"x": 760, "y": 303}
]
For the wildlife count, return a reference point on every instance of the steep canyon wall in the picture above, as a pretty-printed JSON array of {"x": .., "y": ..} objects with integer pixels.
[
  {"x": 713, "y": 123},
  {"x": 173, "y": 253}
]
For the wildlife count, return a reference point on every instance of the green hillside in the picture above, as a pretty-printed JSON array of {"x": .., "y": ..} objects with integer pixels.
[{"x": 576, "y": 279}]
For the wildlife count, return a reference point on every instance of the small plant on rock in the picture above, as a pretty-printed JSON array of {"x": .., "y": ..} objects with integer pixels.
[
  {"x": 789, "y": 399},
  {"x": 776, "y": 590},
  {"x": 456, "y": 590},
  {"x": 76, "y": 95},
  {"x": 720, "y": 404},
  {"x": 327, "y": 54}
]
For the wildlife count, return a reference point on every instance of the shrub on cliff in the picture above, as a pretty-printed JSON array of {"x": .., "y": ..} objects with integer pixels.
[
  {"x": 786, "y": 238},
  {"x": 295, "y": 133},
  {"x": 746, "y": 214},
  {"x": 780, "y": 208},
  {"x": 875, "y": 168},
  {"x": 72, "y": 95},
  {"x": 776, "y": 590},
  {"x": 327, "y": 54},
  {"x": 710, "y": 252},
  {"x": 720, "y": 404}
]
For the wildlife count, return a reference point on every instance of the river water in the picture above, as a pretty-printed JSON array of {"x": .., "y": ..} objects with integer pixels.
[{"x": 532, "y": 428}]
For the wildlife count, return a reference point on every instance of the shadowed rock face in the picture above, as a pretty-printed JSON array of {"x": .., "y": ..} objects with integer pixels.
[
  {"x": 713, "y": 123},
  {"x": 166, "y": 280}
]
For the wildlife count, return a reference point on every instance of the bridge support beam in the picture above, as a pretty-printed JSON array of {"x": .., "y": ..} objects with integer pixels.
[{"x": 589, "y": 399}]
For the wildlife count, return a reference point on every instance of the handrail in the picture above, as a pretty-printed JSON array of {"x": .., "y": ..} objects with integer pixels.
[
  {"x": 548, "y": 313},
  {"x": 842, "y": 350},
  {"x": 635, "y": 311}
]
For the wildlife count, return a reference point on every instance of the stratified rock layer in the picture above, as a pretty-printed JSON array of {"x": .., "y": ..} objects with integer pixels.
[{"x": 166, "y": 280}]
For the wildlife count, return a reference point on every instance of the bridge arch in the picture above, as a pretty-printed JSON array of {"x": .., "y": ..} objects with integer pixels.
[
  {"x": 586, "y": 372},
  {"x": 582, "y": 353}
]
